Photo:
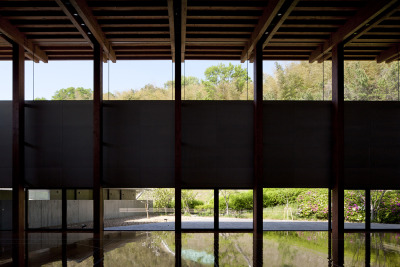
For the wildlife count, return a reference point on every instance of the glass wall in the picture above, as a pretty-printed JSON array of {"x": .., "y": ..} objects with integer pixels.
[
  {"x": 197, "y": 209},
  {"x": 5, "y": 209},
  {"x": 6, "y": 80},
  {"x": 44, "y": 208},
  {"x": 217, "y": 80},
  {"x": 385, "y": 209},
  {"x": 297, "y": 80},
  {"x": 235, "y": 209},
  {"x": 138, "y": 80},
  {"x": 59, "y": 80},
  {"x": 354, "y": 209},
  {"x": 79, "y": 209},
  {"x": 139, "y": 208}
]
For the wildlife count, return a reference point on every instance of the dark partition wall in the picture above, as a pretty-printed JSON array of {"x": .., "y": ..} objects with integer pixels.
[
  {"x": 5, "y": 144},
  {"x": 372, "y": 145},
  {"x": 139, "y": 143},
  {"x": 297, "y": 143},
  {"x": 58, "y": 144},
  {"x": 217, "y": 144}
]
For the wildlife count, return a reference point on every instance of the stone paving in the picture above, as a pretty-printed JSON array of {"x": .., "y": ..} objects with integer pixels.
[{"x": 232, "y": 223}]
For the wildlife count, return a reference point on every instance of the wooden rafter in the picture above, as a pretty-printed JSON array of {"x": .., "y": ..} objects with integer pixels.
[
  {"x": 283, "y": 17},
  {"x": 362, "y": 17},
  {"x": 268, "y": 15},
  {"x": 389, "y": 54},
  {"x": 171, "y": 27},
  {"x": 183, "y": 31},
  {"x": 12, "y": 33},
  {"x": 90, "y": 21}
]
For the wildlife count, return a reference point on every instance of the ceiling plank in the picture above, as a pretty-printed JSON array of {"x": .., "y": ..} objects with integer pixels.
[
  {"x": 87, "y": 16},
  {"x": 11, "y": 32},
  {"x": 171, "y": 27},
  {"x": 183, "y": 29},
  {"x": 268, "y": 15},
  {"x": 388, "y": 54},
  {"x": 355, "y": 23}
]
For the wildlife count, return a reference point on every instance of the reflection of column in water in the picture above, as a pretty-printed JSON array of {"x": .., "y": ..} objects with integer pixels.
[
  {"x": 178, "y": 248},
  {"x": 367, "y": 249},
  {"x": 216, "y": 248},
  {"x": 98, "y": 250}
]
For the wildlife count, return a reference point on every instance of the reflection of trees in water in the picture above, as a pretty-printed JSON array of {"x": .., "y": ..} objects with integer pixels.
[
  {"x": 235, "y": 249},
  {"x": 145, "y": 250}
]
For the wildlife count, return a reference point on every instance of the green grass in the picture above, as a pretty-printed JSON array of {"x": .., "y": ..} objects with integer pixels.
[{"x": 278, "y": 212}]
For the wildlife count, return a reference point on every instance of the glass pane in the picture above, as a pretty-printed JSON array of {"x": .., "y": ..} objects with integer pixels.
[
  {"x": 80, "y": 208},
  {"x": 354, "y": 209},
  {"x": 198, "y": 249},
  {"x": 385, "y": 209},
  {"x": 236, "y": 209},
  {"x": 5, "y": 208},
  {"x": 139, "y": 209},
  {"x": 44, "y": 209},
  {"x": 197, "y": 209}
]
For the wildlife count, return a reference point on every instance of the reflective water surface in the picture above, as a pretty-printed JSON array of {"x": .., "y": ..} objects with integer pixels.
[{"x": 280, "y": 248}]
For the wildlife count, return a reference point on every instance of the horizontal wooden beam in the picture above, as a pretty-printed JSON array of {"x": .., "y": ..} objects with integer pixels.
[
  {"x": 268, "y": 15},
  {"x": 355, "y": 23},
  {"x": 11, "y": 32},
  {"x": 388, "y": 54},
  {"x": 84, "y": 11}
]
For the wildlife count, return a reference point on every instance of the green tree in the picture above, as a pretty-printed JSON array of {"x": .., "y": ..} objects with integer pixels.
[
  {"x": 40, "y": 98},
  {"x": 72, "y": 93},
  {"x": 163, "y": 198},
  {"x": 225, "y": 82}
]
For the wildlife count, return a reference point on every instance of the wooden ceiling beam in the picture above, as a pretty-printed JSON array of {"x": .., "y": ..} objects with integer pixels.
[
  {"x": 11, "y": 32},
  {"x": 283, "y": 17},
  {"x": 75, "y": 22},
  {"x": 269, "y": 13},
  {"x": 183, "y": 29},
  {"x": 365, "y": 15},
  {"x": 171, "y": 27},
  {"x": 388, "y": 54},
  {"x": 83, "y": 10}
]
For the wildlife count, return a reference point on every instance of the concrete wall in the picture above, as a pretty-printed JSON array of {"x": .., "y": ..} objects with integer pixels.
[{"x": 47, "y": 213}]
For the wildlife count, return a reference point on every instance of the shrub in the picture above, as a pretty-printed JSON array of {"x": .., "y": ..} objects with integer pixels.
[
  {"x": 389, "y": 211},
  {"x": 354, "y": 206},
  {"x": 242, "y": 201},
  {"x": 313, "y": 204},
  {"x": 280, "y": 196}
]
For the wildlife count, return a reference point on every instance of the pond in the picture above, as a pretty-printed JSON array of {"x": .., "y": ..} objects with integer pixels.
[{"x": 280, "y": 248}]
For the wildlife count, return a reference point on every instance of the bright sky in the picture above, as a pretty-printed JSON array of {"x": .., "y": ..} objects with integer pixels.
[{"x": 124, "y": 75}]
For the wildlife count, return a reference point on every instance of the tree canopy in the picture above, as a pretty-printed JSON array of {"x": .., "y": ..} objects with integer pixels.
[{"x": 364, "y": 80}]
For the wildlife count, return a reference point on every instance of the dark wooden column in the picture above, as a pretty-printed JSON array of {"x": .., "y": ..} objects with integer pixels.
[
  {"x": 338, "y": 155},
  {"x": 367, "y": 209},
  {"x": 18, "y": 168},
  {"x": 258, "y": 155},
  {"x": 64, "y": 219},
  {"x": 216, "y": 209},
  {"x": 98, "y": 216},
  {"x": 178, "y": 113},
  {"x": 177, "y": 6}
]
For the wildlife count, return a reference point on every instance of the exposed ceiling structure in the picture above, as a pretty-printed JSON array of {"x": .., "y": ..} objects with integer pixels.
[{"x": 211, "y": 30}]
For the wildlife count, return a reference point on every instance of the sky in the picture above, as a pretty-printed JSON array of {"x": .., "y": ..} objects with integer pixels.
[{"x": 44, "y": 79}]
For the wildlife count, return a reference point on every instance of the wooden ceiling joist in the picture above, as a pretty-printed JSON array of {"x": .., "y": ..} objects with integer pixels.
[
  {"x": 171, "y": 27},
  {"x": 352, "y": 25},
  {"x": 183, "y": 29},
  {"x": 12, "y": 33},
  {"x": 283, "y": 15},
  {"x": 389, "y": 54},
  {"x": 269, "y": 13},
  {"x": 90, "y": 21}
]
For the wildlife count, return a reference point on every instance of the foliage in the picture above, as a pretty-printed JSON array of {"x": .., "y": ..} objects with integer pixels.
[
  {"x": 280, "y": 196},
  {"x": 313, "y": 204},
  {"x": 189, "y": 200},
  {"x": 389, "y": 211},
  {"x": 72, "y": 93},
  {"x": 354, "y": 205},
  {"x": 242, "y": 201},
  {"x": 163, "y": 197}
]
